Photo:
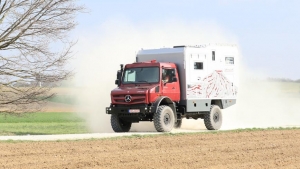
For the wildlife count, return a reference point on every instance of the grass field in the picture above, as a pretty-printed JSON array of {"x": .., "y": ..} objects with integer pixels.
[{"x": 42, "y": 123}]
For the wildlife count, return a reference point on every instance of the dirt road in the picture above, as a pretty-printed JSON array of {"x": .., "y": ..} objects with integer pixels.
[{"x": 255, "y": 149}]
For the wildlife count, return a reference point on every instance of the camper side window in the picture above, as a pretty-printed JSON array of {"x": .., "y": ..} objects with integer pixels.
[
  {"x": 229, "y": 60},
  {"x": 198, "y": 65}
]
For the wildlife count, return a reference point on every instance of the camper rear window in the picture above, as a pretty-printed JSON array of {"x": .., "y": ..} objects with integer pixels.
[
  {"x": 198, "y": 65},
  {"x": 229, "y": 60}
]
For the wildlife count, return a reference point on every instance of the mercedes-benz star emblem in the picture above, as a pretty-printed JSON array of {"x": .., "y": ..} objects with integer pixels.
[{"x": 127, "y": 98}]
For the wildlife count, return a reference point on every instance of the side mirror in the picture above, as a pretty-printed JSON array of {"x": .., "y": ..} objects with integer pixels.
[{"x": 119, "y": 74}]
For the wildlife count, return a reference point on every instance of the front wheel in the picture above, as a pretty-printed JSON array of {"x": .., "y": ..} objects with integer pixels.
[
  {"x": 164, "y": 119},
  {"x": 213, "y": 120},
  {"x": 118, "y": 125}
]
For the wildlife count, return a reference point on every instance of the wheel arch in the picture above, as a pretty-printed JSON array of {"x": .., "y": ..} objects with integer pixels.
[
  {"x": 164, "y": 100},
  {"x": 217, "y": 102}
]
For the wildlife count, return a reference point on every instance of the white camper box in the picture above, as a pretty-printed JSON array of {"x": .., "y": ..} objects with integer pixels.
[{"x": 207, "y": 73}]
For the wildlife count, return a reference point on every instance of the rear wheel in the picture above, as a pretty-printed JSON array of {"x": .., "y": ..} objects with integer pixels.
[
  {"x": 164, "y": 119},
  {"x": 213, "y": 120},
  {"x": 118, "y": 125}
]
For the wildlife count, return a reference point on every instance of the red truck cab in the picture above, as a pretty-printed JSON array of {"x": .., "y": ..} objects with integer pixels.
[{"x": 144, "y": 82}]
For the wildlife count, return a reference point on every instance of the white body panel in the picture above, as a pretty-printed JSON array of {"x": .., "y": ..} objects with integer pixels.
[{"x": 201, "y": 77}]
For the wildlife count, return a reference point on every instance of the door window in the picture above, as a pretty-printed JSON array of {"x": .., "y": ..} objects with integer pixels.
[{"x": 167, "y": 75}]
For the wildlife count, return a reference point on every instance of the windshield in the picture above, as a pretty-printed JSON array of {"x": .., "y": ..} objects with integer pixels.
[{"x": 141, "y": 75}]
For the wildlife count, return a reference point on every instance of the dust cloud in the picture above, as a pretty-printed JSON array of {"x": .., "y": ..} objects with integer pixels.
[
  {"x": 116, "y": 42},
  {"x": 262, "y": 103}
]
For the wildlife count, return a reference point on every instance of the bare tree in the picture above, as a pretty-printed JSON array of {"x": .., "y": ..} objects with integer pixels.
[{"x": 34, "y": 47}]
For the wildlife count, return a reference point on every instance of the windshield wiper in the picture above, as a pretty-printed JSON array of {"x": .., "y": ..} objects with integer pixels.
[{"x": 143, "y": 81}]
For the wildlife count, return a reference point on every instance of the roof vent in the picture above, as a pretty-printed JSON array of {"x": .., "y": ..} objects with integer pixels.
[{"x": 182, "y": 46}]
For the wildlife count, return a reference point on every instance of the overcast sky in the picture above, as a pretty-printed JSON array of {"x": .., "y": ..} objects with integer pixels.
[{"x": 268, "y": 31}]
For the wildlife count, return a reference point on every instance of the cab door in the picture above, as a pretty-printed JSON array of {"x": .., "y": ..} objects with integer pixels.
[{"x": 170, "y": 84}]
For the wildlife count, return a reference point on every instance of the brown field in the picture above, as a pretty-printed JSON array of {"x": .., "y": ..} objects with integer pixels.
[
  {"x": 61, "y": 107},
  {"x": 58, "y": 107},
  {"x": 246, "y": 149}
]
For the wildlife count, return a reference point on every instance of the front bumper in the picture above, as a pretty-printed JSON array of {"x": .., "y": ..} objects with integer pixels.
[{"x": 130, "y": 110}]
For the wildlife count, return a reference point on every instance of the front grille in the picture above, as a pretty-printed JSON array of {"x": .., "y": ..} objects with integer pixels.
[{"x": 135, "y": 99}]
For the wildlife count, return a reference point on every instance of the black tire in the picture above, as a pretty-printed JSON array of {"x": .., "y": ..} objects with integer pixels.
[
  {"x": 213, "y": 120},
  {"x": 118, "y": 125},
  {"x": 164, "y": 119},
  {"x": 178, "y": 123}
]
